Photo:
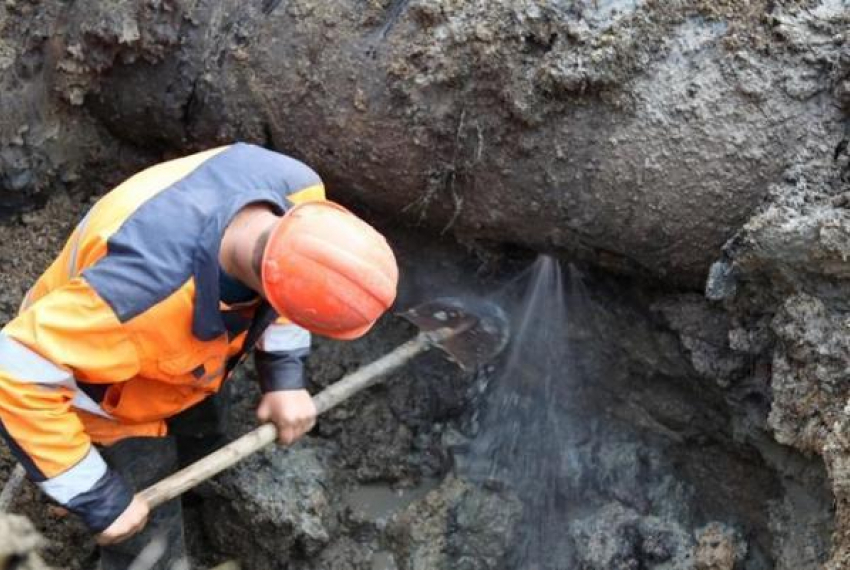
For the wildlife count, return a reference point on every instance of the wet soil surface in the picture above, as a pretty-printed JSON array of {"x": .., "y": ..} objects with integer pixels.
[
  {"x": 636, "y": 137},
  {"x": 664, "y": 456}
]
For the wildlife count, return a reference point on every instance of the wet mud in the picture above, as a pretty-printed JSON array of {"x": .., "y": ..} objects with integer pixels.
[{"x": 691, "y": 158}]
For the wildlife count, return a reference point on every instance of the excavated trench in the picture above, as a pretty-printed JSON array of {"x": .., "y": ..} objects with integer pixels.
[
  {"x": 593, "y": 442},
  {"x": 676, "y": 393}
]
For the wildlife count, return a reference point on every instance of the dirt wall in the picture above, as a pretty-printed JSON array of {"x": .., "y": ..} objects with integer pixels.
[{"x": 638, "y": 135}]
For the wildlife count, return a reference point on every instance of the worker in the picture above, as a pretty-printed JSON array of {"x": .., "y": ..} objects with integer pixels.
[{"x": 159, "y": 292}]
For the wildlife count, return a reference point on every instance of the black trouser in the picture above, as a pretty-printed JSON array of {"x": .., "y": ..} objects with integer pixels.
[{"x": 143, "y": 461}]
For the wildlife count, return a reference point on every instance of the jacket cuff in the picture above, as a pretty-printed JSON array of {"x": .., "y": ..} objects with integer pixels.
[
  {"x": 103, "y": 503},
  {"x": 281, "y": 370},
  {"x": 91, "y": 490}
]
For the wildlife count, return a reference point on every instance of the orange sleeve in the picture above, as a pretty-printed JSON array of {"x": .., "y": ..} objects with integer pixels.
[{"x": 68, "y": 334}]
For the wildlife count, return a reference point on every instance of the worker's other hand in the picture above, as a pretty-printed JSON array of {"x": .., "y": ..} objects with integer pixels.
[
  {"x": 291, "y": 411},
  {"x": 128, "y": 523}
]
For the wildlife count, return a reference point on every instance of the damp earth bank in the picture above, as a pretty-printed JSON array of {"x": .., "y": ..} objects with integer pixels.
[
  {"x": 600, "y": 439},
  {"x": 619, "y": 430}
]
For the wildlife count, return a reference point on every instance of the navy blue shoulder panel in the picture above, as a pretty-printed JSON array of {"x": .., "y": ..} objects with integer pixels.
[{"x": 177, "y": 233}]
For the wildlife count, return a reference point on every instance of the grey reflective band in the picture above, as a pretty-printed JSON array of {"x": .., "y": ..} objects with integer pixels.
[
  {"x": 75, "y": 247},
  {"x": 280, "y": 338},
  {"x": 26, "y": 302},
  {"x": 82, "y": 401},
  {"x": 26, "y": 365},
  {"x": 76, "y": 480}
]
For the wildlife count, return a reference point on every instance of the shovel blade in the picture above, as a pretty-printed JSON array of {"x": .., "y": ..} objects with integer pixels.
[{"x": 482, "y": 328}]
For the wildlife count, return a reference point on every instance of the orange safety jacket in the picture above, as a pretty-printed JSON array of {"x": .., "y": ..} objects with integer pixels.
[{"x": 126, "y": 328}]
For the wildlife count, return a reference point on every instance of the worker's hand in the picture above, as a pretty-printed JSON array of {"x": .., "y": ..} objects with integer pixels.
[
  {"x": 292, "y": 411},
  {"x": 128, "y": 523}
]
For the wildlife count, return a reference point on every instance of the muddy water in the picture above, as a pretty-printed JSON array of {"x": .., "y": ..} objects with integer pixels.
[{"x": 378, "y": 504}]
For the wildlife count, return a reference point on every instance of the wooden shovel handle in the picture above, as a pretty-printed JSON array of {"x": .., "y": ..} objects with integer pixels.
[{"x": 218, "y": 461}]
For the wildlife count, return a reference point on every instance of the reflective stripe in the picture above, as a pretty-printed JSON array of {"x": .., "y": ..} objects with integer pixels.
[
  {"x": 76, "y": 480},
  {"x": 25, "y": 365},
  {"x": 277, "y": 338},
  {"x": 26, "y": 302},
  {"x": 82, "y": 401},
  {"x": 75, "y": 247}
]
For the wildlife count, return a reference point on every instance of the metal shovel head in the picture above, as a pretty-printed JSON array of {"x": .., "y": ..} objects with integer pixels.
[{"x": 482, "y": 328}]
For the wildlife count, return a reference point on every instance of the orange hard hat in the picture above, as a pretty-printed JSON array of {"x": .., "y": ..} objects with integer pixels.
[{"x": 328, "y": 271}]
